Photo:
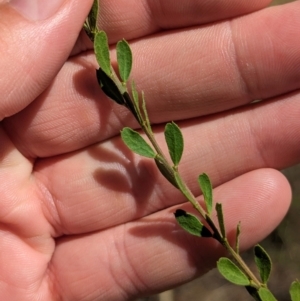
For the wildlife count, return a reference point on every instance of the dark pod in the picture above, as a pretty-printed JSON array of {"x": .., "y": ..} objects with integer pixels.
[{"x": 109, "y": 87}]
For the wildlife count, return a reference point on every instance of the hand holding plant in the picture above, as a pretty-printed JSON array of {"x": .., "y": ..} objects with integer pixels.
[{"x": 82, "y": 217}]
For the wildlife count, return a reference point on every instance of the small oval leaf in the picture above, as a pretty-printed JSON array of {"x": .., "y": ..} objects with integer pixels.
[
  {"x": 129, "y": 103},
  {"x": 295, "y": 291},
  {"x": 137, "y": 143},
  {"x": 90, "y": 24},
  {"x": 109, "y": 87},
  {"x": 145, "y": 113},
  {"x": 206, "y": 188},
  {"x": 263, "y": 263},
  {"x": 124, "y": 58},
  {"x": 237, "y": 238},
  {"x": 220, "y": 216},
  {"x": 232, "y": 272},
  {"x": 135, "y": 95},
  {"x": 253, "y": 292},
  {"x": 102, "y": 52},
  {"x": 166, "y": 172},
  {"x": 266, "y": 295},
  {"x": 174, "y": 141},
  {"x": 93, "y": 15},
  {"x": 191, "y": 224}
]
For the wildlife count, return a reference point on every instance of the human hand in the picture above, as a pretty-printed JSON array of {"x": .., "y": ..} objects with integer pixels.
[{"x": 85, "y": 219}]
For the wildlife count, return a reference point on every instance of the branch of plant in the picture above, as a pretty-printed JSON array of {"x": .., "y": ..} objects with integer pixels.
[
  {"x": 192, "y": 199},
  {"x": 115, "y": 87}
]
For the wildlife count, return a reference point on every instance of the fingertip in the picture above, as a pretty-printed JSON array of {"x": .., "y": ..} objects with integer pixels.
[
  {"x": 36, "y": 10},
  {"x": 259, "y": 200},
  {"x": 35, "y": 50}
]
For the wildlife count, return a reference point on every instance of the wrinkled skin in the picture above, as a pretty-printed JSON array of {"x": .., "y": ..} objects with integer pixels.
[{"x": 82, "y": 218}]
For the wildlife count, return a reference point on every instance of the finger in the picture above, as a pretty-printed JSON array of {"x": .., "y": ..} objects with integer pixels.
[
  {"x": 35, "y": 50},
  {"x": 215, "y": 81},
  {"x": 140, "y": 18},
  {"x": 26, "y": 242},
  {"x": 202, "y": 75},
  {"x": 153, "y": 254},
  {"x": 223, "y": 147}
]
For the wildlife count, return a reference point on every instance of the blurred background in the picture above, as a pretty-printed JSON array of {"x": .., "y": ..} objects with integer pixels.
[{"x": 283, "y": 245}]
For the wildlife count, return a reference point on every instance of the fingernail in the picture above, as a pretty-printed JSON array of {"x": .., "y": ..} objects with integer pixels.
[{"x": 36, "y": 10}]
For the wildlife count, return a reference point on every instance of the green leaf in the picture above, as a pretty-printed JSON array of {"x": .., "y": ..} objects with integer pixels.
[
  {"x": 265, "y": 295},
  {"x": 109, "y": 87},
  {"x": 135, "y": 95},
  {"x": 174, "y": 141},
  {"x": 136, "y": 143},
  {"x": 191, "y": 224},
  {"x": 146, "y": 117},
  {"x": 90, "y": 24},
  {"x": 263, "y": 263},
  {"x": 93, "y": 15},
  {"x": 232, "y": 272},
  {"x": 237, "y": 237},
  {"x": 165, "y": 171},
  {"x": 295, "y": 291},
  {"x": 130, "y": 105},
  {"x": 253, "y": 292},
  {"x": 220, "y": 216},
  {"x": 102, "y": 52},
  {"x": 206, "y": 188},
  {"x": 124, "y": 58}
]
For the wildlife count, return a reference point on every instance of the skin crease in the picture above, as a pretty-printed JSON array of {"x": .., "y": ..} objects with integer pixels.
[{"x": 82, "y": 218}]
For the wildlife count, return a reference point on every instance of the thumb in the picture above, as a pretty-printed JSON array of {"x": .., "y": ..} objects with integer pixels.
[{"x": 37, "y": 37}]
